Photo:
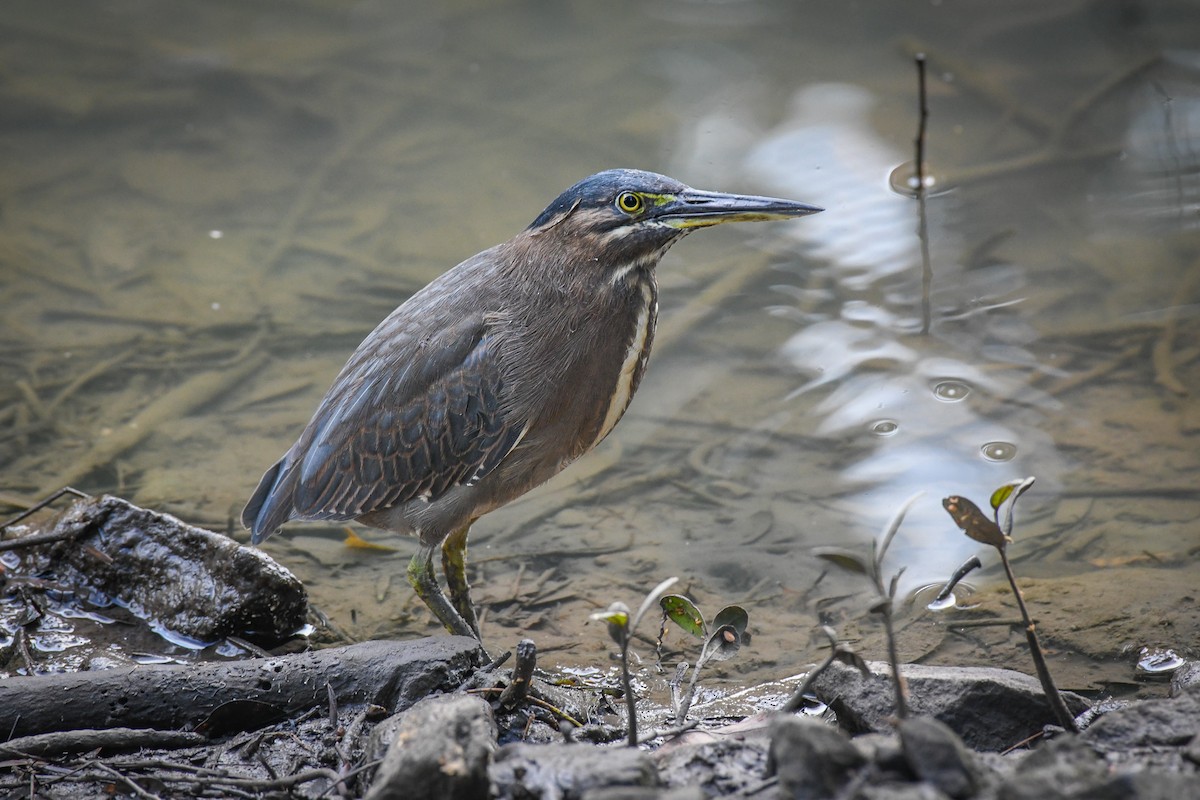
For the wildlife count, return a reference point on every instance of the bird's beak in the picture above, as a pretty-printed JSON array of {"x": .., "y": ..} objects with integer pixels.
[{"x": 694, "y": 208}]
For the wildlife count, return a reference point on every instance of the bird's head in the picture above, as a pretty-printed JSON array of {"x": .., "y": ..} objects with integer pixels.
[{"x": 626, "y": 218}]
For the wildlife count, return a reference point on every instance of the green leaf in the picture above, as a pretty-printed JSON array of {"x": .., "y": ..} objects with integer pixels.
[
  {"x": 683, "y": 612},
  {"x": 617, "y": 618},
  {"x": 733, "y": 616},
  {"x": 1002, "y": 494},
  {"x": 846, "y": 559}
]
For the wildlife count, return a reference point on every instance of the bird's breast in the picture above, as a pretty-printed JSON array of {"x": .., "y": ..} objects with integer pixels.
[{"x": 637, "y": 351}]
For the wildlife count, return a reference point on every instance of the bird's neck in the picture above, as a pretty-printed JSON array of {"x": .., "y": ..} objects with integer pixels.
[{"x": 641, "y": 298}]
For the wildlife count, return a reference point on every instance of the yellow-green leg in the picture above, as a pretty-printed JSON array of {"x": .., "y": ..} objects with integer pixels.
[
  {"x": 454, "y": 564},
  {"x": 424, "y": 582}
]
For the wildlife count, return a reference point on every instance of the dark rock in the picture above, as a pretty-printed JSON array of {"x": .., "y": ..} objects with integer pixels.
[
  {"x": 188, "y": 580},
  {"x": 989, "y": 708},
  {"x": 1169, "y": 721},
  {"x": 935, "y": 755},
  {"x": 721, "y": 768},
  {"x": 439, "y": 749},
  {"x": 566, "y": 771},
  {"x": 1192, "y": 751},
  {"x": 811, "y": 759}
]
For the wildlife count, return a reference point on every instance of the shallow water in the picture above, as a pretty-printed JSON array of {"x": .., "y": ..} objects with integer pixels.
[{"x": 204, "y": 208}]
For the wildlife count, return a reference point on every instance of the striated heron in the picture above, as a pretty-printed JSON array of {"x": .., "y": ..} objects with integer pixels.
[{"x": 495, "y": 376}]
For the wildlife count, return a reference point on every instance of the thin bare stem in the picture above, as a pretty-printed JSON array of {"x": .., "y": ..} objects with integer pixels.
[
  {"x": 898, "y": 684},
  {"x": 627, "y": 686},
  {"x": 923, "y": 107},
  {"x": 1057, "y": 705}
]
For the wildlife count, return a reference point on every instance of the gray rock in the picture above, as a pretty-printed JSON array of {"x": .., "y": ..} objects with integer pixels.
[
  {"x": 439, "y": 749},
  {"x": 936, "y": 756},
  {"x": 1068, "y": 769},
  {"x": 1169, "y": 721},
  {"x": 566, "y": 771},
  {"x": 721, "y": 768},
  {"x": 811, "y": 759},
  {"x": 988, "y": 708},
  {"x": 645, "y": 793},
  {"x": 1060, "y": 768},
  {"x": 1146, "y": 785},
  {"x": 901, "y": 791}
]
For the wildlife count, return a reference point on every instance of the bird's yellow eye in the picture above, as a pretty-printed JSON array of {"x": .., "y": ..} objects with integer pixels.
[{"x": 629, "y": 202}]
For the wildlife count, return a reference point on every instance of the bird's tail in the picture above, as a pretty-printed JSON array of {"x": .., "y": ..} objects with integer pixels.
[{"x": 271, "y": 504}]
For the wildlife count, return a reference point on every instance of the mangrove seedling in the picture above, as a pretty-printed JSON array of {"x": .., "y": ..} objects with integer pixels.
[
  {"x": 722, "y": 639},
  {"x": 976, "y": 525},
  {"x": 885, "y": 596},
  {"x": 620, "y": 629}
]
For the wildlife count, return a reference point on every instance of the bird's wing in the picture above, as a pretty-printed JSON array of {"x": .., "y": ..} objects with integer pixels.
[{"x": 407, "y": 418}]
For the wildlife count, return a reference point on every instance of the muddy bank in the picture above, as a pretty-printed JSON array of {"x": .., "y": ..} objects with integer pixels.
[
  {"x": 420, "y": 719},
  {"x": 427, "y": 718}
]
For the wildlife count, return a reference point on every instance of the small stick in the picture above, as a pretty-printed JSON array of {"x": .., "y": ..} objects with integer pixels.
[
  {"x": 522, "y": 674},
  {"x": 923, "y": 223},
  {"x": 82, "y": 741},
  {"x": 923, "y": 107},
  {"x": 36, "y": 507}
]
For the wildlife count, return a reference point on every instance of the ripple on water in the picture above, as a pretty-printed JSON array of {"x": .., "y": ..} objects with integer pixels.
[
  {"x": 885, "y": 427},
  {"x": 999, "y": 451},
  {"x": 951, "y": 391}
]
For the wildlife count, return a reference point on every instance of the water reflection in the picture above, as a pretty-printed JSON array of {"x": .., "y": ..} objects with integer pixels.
[{"x": 929, "y": 403}]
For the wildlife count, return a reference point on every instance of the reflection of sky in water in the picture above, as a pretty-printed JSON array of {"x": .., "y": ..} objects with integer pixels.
[
  {"x": 870, "y": 376},
  {"x": 826, "y": 149}
]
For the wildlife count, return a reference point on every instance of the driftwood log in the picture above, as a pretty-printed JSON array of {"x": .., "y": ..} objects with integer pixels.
[{"x": 238, "y": 695}]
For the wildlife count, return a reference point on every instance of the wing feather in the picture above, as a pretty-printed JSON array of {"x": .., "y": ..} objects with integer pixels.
[{"x": 433, "y": 419}]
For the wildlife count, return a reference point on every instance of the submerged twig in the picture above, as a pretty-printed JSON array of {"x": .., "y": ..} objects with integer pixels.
[{"x": 175, "y": 404}]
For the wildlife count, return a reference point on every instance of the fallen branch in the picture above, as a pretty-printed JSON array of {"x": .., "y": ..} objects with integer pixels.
[{"x": 170, "y": 696}]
